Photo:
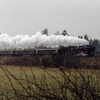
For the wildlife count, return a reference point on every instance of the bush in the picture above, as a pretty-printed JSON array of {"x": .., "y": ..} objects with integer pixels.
[
  {"x": 23, "y": 61},
  {"x": 46, "y": 60},
  {"x": 58, "y": 61}
]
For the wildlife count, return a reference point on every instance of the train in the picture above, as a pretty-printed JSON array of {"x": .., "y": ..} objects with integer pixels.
[{"x": 85, "y": 50}]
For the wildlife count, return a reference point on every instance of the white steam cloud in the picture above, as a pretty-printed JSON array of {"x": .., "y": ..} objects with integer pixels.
[{"x": 38, "y": 40}]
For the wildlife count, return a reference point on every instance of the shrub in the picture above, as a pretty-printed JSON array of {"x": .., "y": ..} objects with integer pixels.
[
  {"x": 46, "y": 60},
  {"x": 58, "y": 60},
  {"x": 23, "y": 61}
]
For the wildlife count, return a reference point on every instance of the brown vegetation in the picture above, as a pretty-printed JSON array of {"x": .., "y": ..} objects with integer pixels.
[
  {"x": 52, "y": 61},
  {"x": 34, "y": 83},
  {"x": 20, "y": 61}
]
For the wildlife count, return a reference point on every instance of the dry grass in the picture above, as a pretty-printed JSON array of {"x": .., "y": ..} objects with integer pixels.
[{"x": 18, "y": 83}]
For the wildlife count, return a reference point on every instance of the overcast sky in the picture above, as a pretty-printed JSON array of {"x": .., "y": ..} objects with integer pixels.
[{"x": 78, "y": 17}]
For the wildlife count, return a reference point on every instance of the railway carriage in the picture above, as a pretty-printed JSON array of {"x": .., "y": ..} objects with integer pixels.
[{"x": 87, "y": 50}]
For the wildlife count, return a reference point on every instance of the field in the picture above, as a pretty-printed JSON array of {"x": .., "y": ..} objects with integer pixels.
[
  {"x": 21, "y": 82},
  {"x": 25, "y": 79}
]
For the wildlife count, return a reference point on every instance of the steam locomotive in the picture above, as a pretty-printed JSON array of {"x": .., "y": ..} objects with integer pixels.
[{"x": 85, "y": 50}]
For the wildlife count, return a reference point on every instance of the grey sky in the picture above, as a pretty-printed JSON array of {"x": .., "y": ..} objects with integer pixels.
[{"x": 78, "y": 17}]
